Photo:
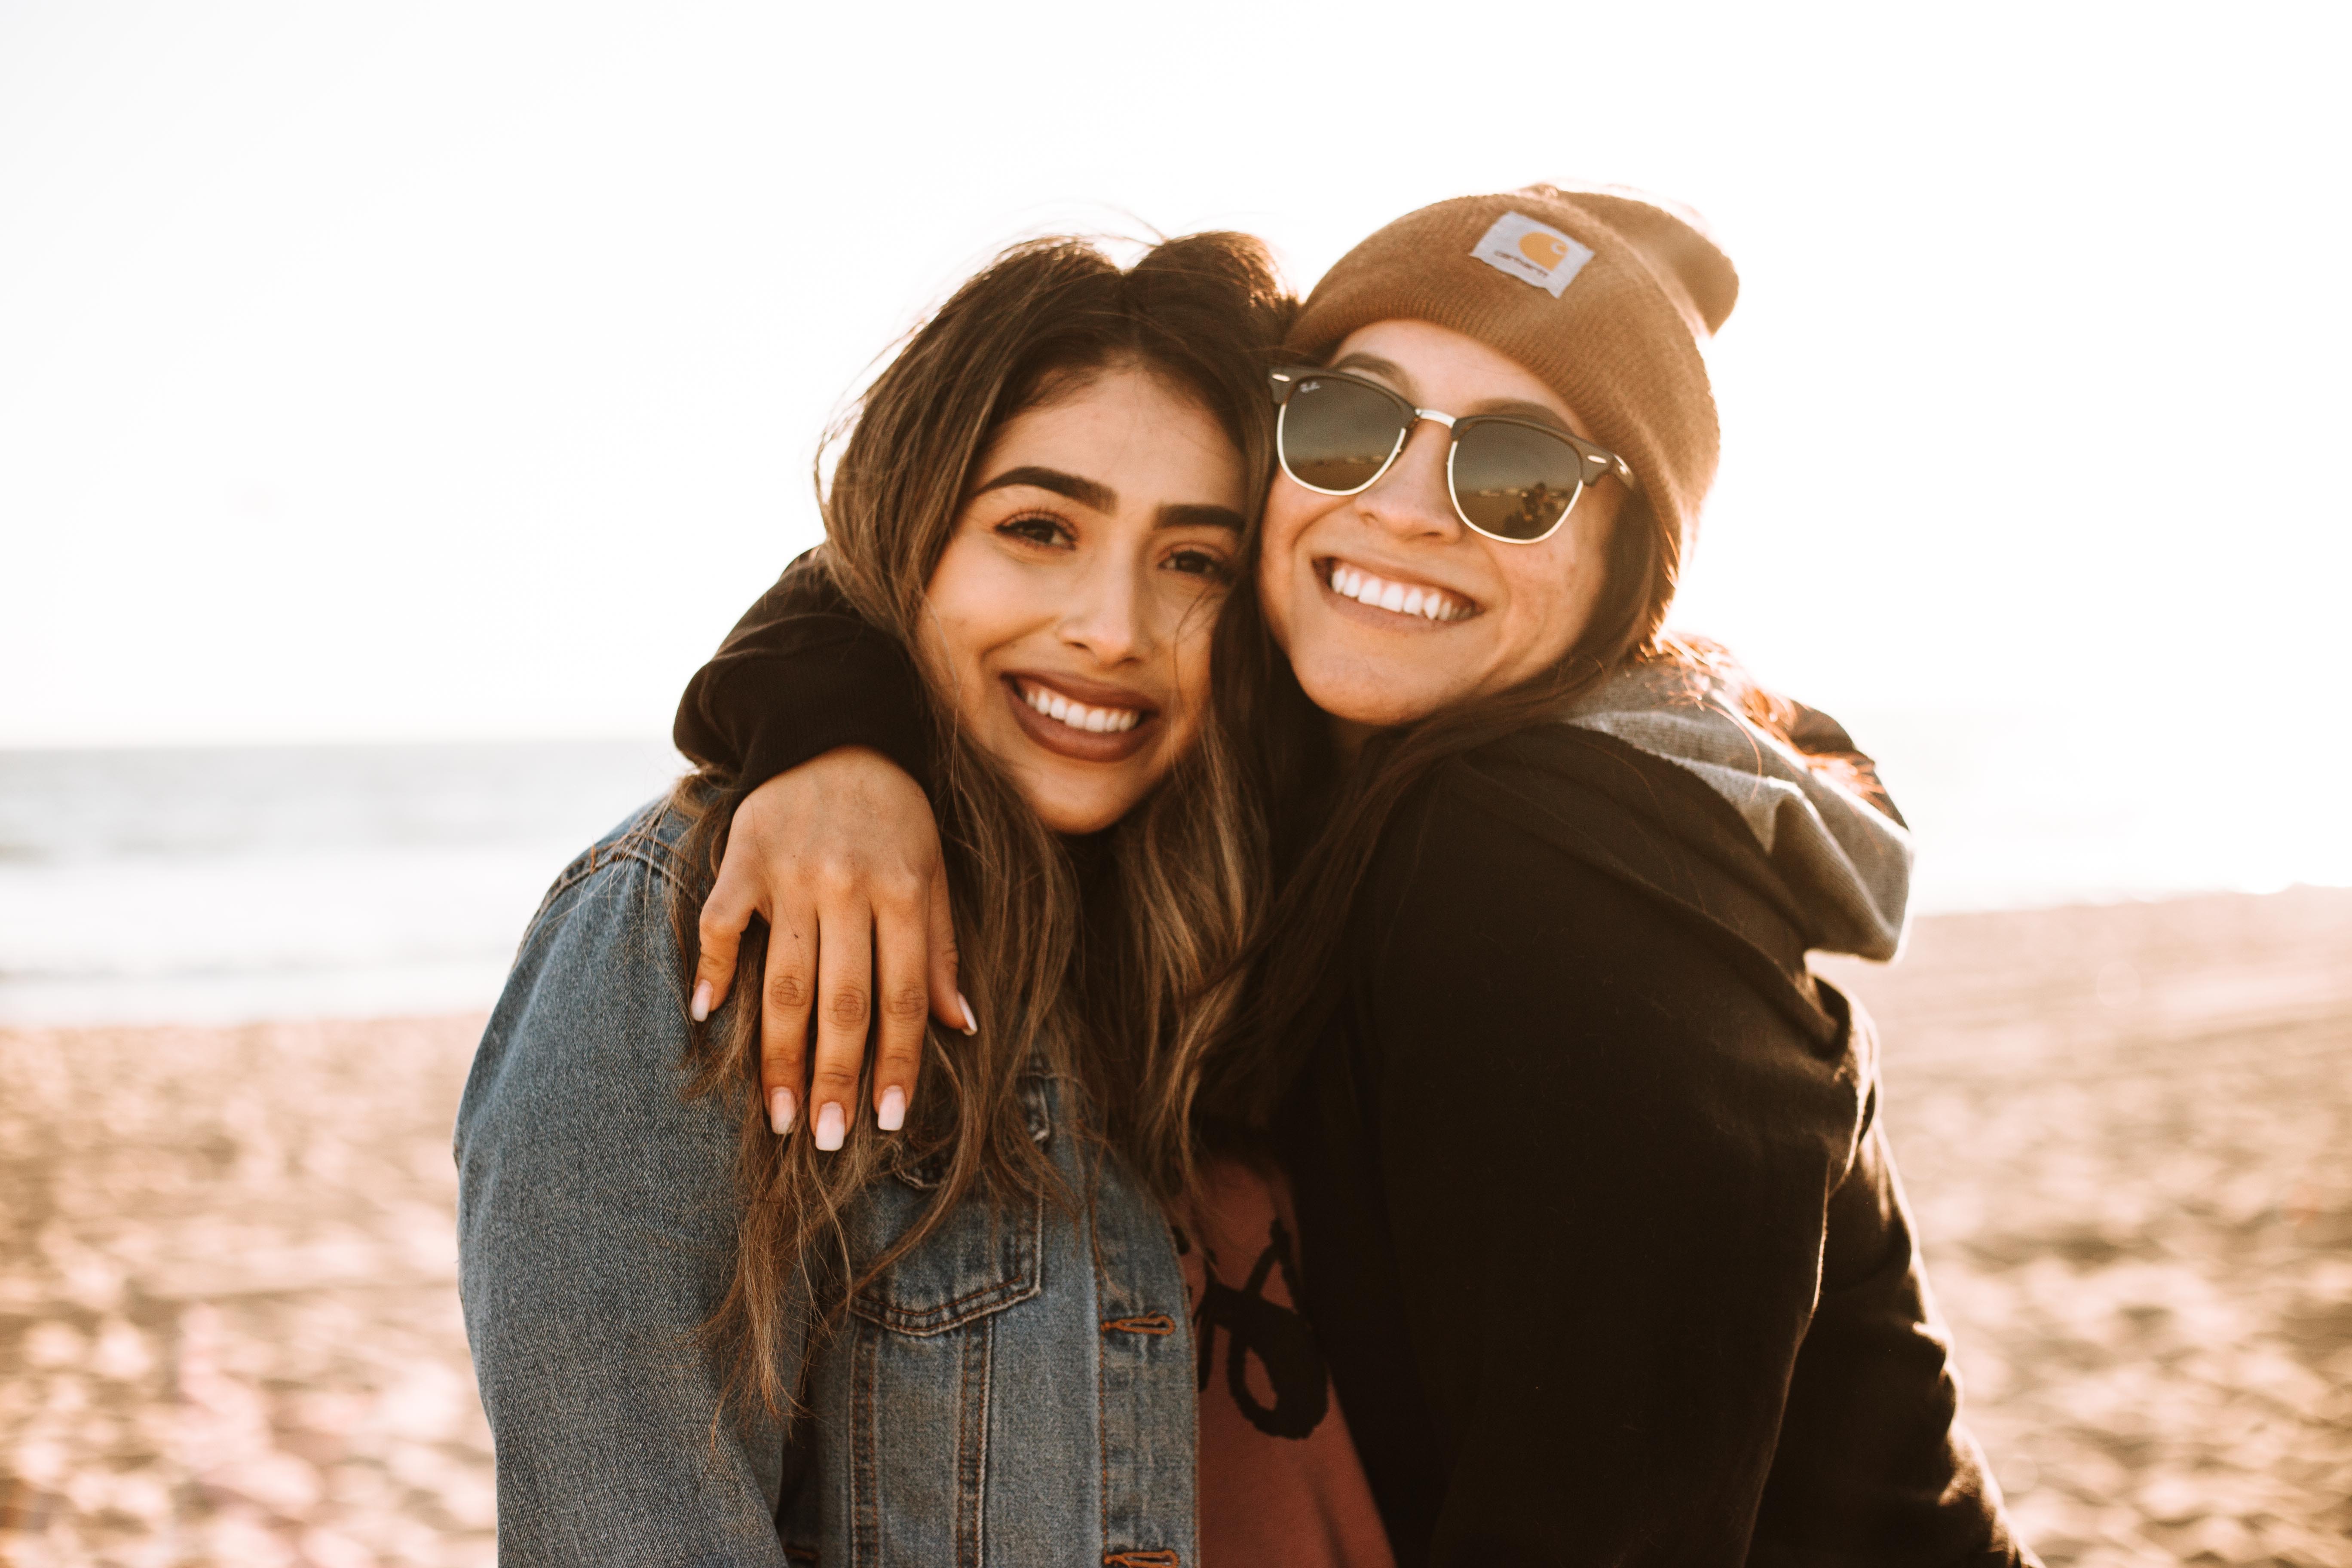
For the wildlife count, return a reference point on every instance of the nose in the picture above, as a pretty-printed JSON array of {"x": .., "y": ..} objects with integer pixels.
[
  {"x": 1108, "y": 616},
  {"x": 1410, "y": 500}
]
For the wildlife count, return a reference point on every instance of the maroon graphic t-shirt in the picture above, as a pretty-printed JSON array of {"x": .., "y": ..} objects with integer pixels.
[{"x": 1280, "y": 1485}]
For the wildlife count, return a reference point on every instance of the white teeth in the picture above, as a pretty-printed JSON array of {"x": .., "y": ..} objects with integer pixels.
[
  {"x": 1430, "y": 604},
  {"x": 1078, "y": 715}
]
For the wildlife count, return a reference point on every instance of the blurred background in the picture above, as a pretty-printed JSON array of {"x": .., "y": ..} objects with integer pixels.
[{"x": 397, "y": 404}]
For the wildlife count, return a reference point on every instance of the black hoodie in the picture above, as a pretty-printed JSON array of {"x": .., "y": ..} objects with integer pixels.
[{"x": 1599, "y": 1229}]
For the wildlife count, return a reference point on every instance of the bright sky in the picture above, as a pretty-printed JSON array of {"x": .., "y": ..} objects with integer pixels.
[{"x": 418, "y": 371}]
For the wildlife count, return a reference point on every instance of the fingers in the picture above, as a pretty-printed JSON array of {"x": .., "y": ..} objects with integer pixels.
[
  {"x": 900, "y": 933},
  {"x": 949, "y": 1004},
  {"x": 842, "y": 856},
  {"x": 726, "y": 914},
  {"x": 845, "y": 978},
  {"x": 788, "y": 989}
]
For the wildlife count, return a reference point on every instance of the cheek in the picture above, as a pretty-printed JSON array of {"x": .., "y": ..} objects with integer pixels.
[
  {"x": 1539, "y": 589},
  {"x": 1274, "y": 603},
  {"x": 1281, "y": 571},
  {"x": 1289, "y": 510},
  {"x": 1189, "y": 693},
  {"x": 1552, "y": 589},
  {"x": 976, "y": 604},
  {"x": 1192, "y": 671}
]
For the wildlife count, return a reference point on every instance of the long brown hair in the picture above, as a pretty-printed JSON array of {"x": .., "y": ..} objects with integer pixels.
[{"x": 1116, "y": 974}]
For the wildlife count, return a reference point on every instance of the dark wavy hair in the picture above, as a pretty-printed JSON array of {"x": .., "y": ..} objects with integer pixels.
[{"x": 1118, "y": 979}]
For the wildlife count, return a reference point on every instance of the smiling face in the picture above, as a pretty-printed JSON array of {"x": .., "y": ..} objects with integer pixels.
[
  {"x": 1390, "y": 606},
  {"x": 1071, "y": 612}
]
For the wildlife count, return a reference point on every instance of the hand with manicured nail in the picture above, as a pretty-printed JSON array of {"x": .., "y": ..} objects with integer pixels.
[{"x": 841, "y": 855}]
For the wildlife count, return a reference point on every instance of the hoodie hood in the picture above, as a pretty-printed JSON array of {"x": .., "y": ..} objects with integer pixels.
[{"x": 1846, "y": 862}]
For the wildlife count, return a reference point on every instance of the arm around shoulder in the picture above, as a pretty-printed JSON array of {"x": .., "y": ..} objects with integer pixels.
[{"x": 799, "y": 675}]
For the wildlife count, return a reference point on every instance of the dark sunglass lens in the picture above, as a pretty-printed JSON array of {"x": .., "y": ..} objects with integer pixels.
[
  {"x": 1515, "y": 481},
  {"x": 1336, "y": 434}
]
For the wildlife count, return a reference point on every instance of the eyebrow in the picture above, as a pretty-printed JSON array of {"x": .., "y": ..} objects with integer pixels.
[
  {"x": 1177, "y": 515},
  {"x": 1101, "y": 498},
  {"x": 1519, "y": 408},
  {"x": 1509, "y": 407},
  {"x": 1085, "y": 492},
  {"x": 1378, "y": 366}
]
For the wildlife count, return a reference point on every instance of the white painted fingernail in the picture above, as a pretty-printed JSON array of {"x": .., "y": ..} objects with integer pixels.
[
  {"x": 970, "y": 1023},
  {"x": 701, "y": 1006},
  {"x": 891, "y": 1114},
  {"x": 831, "y": 1126},
  {"x": 780, "y": 1112}
]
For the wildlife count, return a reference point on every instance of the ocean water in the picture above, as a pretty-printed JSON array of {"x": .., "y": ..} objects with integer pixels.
[{"x": 218, "y": 885}]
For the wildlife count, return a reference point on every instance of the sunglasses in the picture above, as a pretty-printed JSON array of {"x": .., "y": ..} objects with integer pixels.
[{"x": 1513, "y": 480}]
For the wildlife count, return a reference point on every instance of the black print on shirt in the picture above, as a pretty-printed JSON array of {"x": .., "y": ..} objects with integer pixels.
[{"x": 1279, "y": 1337}]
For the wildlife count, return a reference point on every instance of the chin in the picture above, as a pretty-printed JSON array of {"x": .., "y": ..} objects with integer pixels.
[
  {"x": 1360, "y": 697},
  {"x": 1083, "y": 812}
]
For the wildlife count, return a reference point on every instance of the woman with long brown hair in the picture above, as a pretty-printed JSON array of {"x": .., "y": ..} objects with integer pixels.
[
  {"x": 1598, "y": 1225},
  {"x": 956, "y": 1330}
]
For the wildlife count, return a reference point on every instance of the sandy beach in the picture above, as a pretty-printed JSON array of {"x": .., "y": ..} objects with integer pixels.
[{"x": 229, "y": 1333}]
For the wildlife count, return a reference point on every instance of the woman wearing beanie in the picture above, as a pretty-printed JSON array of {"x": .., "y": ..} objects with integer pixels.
[
  {"x": 1597, "y": 1222},
  {"x": 954, "y": 1331}
]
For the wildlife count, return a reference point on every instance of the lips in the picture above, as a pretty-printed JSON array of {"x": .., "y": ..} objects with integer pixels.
[
  {"x": 1421, "y": 601},
  {"x": 1077, "y": 715},
  {"x": 1080, "y": 720}
]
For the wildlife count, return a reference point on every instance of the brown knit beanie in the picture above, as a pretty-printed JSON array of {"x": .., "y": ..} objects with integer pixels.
[{"x": 1604, "y": 294}]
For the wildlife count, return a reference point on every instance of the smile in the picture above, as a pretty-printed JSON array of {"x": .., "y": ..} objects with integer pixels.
[
  {"x": 1092, "y": 727},
  {"x": 1077, "y": 715},
  {"x": 1418, "y": 599}
]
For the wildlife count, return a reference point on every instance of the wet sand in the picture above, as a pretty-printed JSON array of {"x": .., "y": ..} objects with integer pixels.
[{"x": 229, "y": 1334}]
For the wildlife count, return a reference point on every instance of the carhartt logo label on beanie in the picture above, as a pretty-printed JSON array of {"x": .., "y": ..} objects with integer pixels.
[{"x": 1532, "y": 252}]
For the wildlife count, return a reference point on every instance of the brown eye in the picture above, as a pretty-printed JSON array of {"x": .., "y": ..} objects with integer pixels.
[
  {"x": 1034, "y": 530},
  {"x": 1200, "y": 563}
]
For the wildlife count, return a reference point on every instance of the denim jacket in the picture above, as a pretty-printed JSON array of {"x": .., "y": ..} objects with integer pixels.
[{"x": 1019, "y": 1390}]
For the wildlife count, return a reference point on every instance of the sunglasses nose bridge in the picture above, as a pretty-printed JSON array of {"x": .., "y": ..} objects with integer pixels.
[
  {"x": 1410, "y": 495},
  {"x": 1444, "y": 422}
]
